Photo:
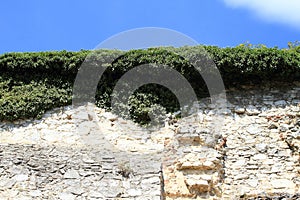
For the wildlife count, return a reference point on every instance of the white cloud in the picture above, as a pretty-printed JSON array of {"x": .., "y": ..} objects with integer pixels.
[{"x": 284, "y": 11}]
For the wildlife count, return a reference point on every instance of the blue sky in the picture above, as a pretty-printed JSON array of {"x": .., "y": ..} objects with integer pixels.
[{"x": 38, "y": 25}]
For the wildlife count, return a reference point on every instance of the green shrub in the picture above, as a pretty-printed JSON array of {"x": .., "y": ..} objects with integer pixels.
[
  {"x": 32, "y": 83},
  {"x": 31, "y": 100}
]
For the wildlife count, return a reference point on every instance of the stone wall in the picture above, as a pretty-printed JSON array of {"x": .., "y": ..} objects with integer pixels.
[
  {"x": 51, "y": 172},
  {"x": 255, "y": 155}
]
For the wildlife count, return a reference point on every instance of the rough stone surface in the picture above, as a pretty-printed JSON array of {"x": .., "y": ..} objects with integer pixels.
[{"x": 87, "y": 153}]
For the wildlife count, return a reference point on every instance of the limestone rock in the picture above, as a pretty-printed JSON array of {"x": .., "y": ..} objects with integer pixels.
[{"x": 71, "y": 174}]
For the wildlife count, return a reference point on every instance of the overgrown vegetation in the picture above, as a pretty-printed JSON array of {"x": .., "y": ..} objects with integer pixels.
[{"x": 32, "y": 83}]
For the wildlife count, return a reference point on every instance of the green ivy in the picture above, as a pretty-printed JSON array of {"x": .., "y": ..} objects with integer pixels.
[{"x": 32, "y": 83}]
